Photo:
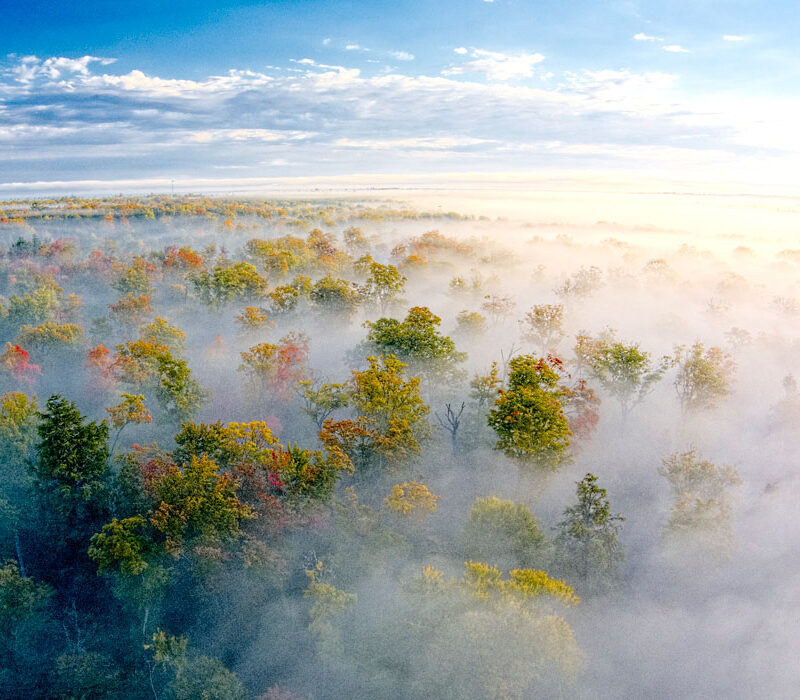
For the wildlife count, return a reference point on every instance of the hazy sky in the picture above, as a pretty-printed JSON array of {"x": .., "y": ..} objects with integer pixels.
[{"x": 148, "y": 90}]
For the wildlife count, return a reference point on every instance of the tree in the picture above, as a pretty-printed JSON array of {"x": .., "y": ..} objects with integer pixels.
[
  {"x": 133, "y": 279},
  {"x": 27, "y": 634},
  {"x": 50, "y": 337},
  {"x": 239, "y": 282},
  {"x": 484, "y": 387},
  {"x": 626, "y": 372},
  {"x": 411, "y": 498},
  {"x": 252, "y": 454},
  {"x": 19, "y": 418},
  {"x": 528, "y": 416},
  {"x": 581, "y": 284},
  {"x": 150, "y": 366},
  {"x": 320, "y": 400},
  {"x": 497, "y": 307},
  {"x": 383, "y": 394},
  {"x": 703, "y": 376},
  {"x": 390, "y": 420},
  {"x": 504, "y": 533},
  {"x": 701, "y": 512},
  {"x": 383, "y": 285},
  {"x": 275, "y": 371},
  {"x": 130, "y": 410},
  {"x": 588, "y": 537},
  {"x": 354, "y": 240},
  {"x": 542, "y": 326},
  {"x": 162, "y": 332},
  {"x": 470, "y": 324},
  {"x": 417, "y": 342},
  {"x": 34, "y": 307},
  {"x": 335, "y": 296},
  {"x": 131, "y": 310},
  {"x": 485, "y": 635},
  {"x": 15, "y": 361},
  {"x": 451, "y": 423},
  {"x": 180, "y": 674},
  {"x": 253, "y": 318},
  {"x": 71, "y": 481},
  {"x": 197, "y": 504}
]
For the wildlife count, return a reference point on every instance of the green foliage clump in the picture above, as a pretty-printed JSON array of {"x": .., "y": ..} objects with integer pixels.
[
  {"x": 528, "y": 416},
  {"x": 335, "y": 296},
  {"x": 417, "y": 342},
  {"x": 703, "y": 377},
  {"x": 625, "y": 371},
  {"x": 503, "y": 532},
  {"x": 588, "y": 538},
  {"x": 239, "y": 282},
  {"x": 701, "y": 513}
]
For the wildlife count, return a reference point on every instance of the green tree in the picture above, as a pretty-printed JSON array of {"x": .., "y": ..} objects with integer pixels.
[
  {"x": 588, "y": 538},
  {"x": 150, "y": 366},
  {"x": 197, "y": 504},
  {"x": 133, "y": 279},
  {"x": 543, "y": 326},
  {"x": 504, "y": 533},
  {"x": 35, "y": 307},
  {"x": 71, "y": 481},
  {"x": 384, "y": 284},
  {"x": 176, "y": 673},
  {"x": 162, "y": 332},
  {"x": 321, "y": 399},
  {"x": 384, "y": 394},
  {"x": 701, "y": 513},
  {"x": 626, "y": 372},
  {"x": 703, "y": 377},
  {"x": 19, "y": 418},
  {"x": 485, "y": 635},
  {"x": 470, "y": 324},
  {"x": 417, "y": 342},
  {"x": 239, "y": 282},
  {"x": 27, "y": 639},
  {"x": 528, "y": 416},
  {"x": 330, "y": 295}
]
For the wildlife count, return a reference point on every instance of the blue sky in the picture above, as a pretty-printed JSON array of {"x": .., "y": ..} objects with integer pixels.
[{"x": 122, "y": 91}]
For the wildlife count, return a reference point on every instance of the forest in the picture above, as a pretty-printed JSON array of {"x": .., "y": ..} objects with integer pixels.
[{"x": 306, "y": 449}]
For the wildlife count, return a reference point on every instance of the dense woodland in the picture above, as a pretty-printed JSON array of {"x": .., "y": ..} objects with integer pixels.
[{"x": 334, "y": 449}]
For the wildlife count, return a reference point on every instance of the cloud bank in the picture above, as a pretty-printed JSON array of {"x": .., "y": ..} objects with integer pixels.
[{"x": 76, "y": 119}]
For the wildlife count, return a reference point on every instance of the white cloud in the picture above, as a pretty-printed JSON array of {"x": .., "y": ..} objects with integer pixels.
[
  {"x": 353, "y": 47},
  {"x": 733, "y": 37},
  {"x": 640, "y": 94},
  {"x": 32, "y": 67},
  {"x": 326, "y": 41},
  {"x": 402, "y": 55},
  {"x": 266, "y": 135},
  {"x": 675, "y": 48},
  {"x": 497, "y": 66},
  {"x": 327, "y": 119},
  {"x": 646, "y": 37},
  {"x": 460, "y": 50},
  {"x": 425, "y": 143}
]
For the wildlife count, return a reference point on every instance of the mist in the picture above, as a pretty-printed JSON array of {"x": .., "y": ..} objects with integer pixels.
[{"x": 198, "y": 554}]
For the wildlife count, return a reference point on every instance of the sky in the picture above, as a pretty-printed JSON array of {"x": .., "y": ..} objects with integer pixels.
[{"x": 121, "y": 94}]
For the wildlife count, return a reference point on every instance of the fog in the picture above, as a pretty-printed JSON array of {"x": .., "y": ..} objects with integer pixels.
[{"x": 702, "y": 601}]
